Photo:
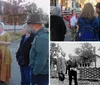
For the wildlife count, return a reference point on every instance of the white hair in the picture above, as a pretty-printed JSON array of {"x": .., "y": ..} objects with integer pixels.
[
  {"x": 25, "y": 26},
  {"x": 56, "y": 11}
]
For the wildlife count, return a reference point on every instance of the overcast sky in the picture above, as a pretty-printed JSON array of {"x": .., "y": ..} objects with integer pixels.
[
  {"x": 43, "y": 4},
  {"x": 70, "y": 47}
]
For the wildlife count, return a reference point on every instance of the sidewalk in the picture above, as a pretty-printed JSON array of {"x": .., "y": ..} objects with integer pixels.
[{"x": 68, "y": 35}]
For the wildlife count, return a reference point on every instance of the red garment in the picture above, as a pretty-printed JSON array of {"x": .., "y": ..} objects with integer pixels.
[{"x": 68, "y": 19}]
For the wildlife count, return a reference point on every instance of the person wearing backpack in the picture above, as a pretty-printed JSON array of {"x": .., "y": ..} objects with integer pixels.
[
  {"x": 98, "y": 11},
  {"x": 22, "y": 55},
  {"x": 88, "y": 25}
]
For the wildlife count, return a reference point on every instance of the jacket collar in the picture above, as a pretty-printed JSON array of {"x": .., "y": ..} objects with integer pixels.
[{"x": 41, "y": 31}]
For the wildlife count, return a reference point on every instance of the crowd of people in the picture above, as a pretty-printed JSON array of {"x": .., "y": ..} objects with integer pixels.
[
  {"x": 84, "y": 26},
  {"x": 32, "y": 55},
  {"x": 68, "y": 67}
]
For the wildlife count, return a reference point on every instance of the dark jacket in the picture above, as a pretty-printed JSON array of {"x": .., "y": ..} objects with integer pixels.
[
  {"x": 57, "y": 28},
  {"x": 24, "y": 49},
  {"x": 71, "y": 64},
  {"x": 94, "y": 23}
]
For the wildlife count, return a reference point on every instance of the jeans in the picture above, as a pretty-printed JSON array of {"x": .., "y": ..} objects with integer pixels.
[
  {"x": 42, "y": 79},
  {"x": 25, "y": 75}
]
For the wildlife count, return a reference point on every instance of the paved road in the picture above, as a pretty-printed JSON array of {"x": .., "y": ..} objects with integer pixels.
[
  {"x": 55, "y": 81},
  {"x": 15, "y": 72},
  {"x": 68, "y": 36}
]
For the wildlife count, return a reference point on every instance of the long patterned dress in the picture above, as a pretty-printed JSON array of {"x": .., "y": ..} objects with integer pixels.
[{"x": 5, "y": 59}]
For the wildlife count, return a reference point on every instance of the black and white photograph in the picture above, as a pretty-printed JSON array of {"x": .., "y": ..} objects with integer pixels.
[{"x": 75, "y": 63}]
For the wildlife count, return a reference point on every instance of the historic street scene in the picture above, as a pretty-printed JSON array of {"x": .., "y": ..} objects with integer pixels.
[{"x": 75, "y": 63}]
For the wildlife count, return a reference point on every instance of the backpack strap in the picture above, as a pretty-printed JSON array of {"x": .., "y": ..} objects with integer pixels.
[{"x": 86, "y": 22}]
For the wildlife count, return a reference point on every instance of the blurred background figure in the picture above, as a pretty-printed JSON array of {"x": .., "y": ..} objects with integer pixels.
[{"x": 57, "y": 25}]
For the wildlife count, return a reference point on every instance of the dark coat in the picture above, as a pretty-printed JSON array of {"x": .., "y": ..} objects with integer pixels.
[
  {"x": 71, "y": 64},
  {"x": 57, "y": 28},
  {"x": 94, "y": 23},
  {"x": 24, "y": 49}
]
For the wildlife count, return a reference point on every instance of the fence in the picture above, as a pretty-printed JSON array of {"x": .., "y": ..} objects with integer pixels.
[{"x": 89, "y": 73}]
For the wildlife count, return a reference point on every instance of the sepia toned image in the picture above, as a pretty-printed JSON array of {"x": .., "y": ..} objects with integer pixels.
[
  {"x": 75, "y": 63},
  {"x": 75, "y": 20},
  {"x": 24, "y": 42}
]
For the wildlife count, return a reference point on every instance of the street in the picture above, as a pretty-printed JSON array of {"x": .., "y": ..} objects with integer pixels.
[
  {"x": 55, "y": 81},
  {"x": 15, "y": 71},
  {"x": 68, "y": 36}
]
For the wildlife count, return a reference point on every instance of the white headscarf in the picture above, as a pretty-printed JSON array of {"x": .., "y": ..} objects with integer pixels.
[{"x": 2, "y": 25}]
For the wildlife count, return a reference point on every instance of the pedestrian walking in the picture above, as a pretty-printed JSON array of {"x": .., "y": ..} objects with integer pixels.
[
  {"x": 61, "y": 67},
  {"x": 88, "y": 25},
  {"x": 39, "y": 53},
  {"x": 5, "y": 55},
  {"x": 98, "y": 11},
  {"x": 57, "y": 26},
  {"x": 72, "y": 71},
  {"x": 22, "y": 55}
]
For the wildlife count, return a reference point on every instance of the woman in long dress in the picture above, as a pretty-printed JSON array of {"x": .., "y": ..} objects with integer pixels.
[{"x": 5, "y": 55}]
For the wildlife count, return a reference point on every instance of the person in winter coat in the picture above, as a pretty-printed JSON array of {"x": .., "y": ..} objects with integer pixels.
[
  {"x": 72, "y": 71},
  {"x": 88, "y": 25},
  {"x": 22, "y": 55},
  {"x": 39, "y": 53},
  {"x": 57, "y": 26}
]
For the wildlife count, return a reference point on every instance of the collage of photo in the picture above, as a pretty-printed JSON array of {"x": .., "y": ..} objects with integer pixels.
[{"x": 49, "y": 42}]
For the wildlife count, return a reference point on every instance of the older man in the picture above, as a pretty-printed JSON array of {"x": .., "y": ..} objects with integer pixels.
[
  {"x": 72, "y": 71},
  {"x": 39, "y": 53}
]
